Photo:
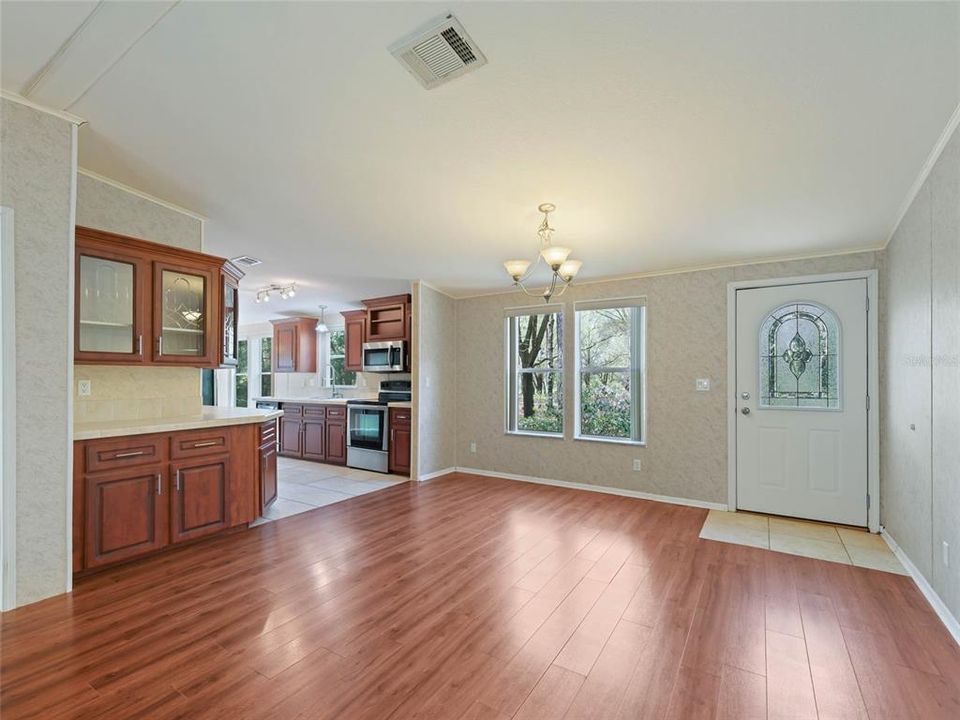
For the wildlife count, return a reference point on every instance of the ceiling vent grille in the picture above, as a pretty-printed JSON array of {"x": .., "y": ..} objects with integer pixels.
[
  {"x": 439, "y": 54},
  {"x": 246, "y": 260}
]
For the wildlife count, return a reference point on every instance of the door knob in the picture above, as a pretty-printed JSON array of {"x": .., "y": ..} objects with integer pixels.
[
  {"x": 745, "y": 411},
  {"x": 745, "y": 395}
]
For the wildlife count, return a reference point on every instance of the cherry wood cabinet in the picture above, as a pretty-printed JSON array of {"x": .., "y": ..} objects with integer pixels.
[
  {"x": 355, "y": 335},
  {"x": 400, "y": 436},
  {"x": 314, "y": 432},
  {"x": 125, "y": 515},
  {"x": 136, "y": 495},
  {"x": 198, "y": 503},
  {"x": 139, "y": 302},
  {"x": 267, "y": 486},
  {"x": 388, "y": 318},
  {"x": 295, "y": 345}
]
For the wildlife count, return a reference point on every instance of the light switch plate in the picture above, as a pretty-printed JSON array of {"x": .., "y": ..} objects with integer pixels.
[
  {"x": 636, "y": 465},
  {"x": 84, "y": 388},
  {"x": 473, "y": 447},
  {"x": 703, "y": 384}
]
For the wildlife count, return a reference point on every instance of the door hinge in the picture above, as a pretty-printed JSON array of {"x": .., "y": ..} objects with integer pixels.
[
  {"x": 868, "y": 402},
  {"x": 868, "y": 303},
  {"x": 868, "y": 501}
]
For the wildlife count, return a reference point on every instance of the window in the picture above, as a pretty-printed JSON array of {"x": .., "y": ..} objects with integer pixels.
[
  {"x": 338, "y": 375},
  {"x": 242, "y": 374},
  {"x": 800, "y": 358},
  {"x": 266, "y": 366},
  {"x": 610, "y": 370},
  {"x": 535, "y": 372}
]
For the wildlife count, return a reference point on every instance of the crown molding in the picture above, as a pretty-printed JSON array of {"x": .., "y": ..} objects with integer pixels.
[
  {"x": 62, "y": 114},
  {"x": 925, "y": 171},
  {"x": 141, "y": 194}
]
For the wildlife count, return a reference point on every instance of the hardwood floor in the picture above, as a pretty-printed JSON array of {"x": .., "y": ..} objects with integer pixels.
[{"x": 471, "y": 597}]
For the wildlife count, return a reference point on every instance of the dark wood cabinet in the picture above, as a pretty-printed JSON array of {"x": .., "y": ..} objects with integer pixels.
[
  {"x": 295, "y": 345},
  {"x": 126, "y": 514},
  {"x": 388, "y": 318},
  {"x": 400, "y": 436},
  {"x": 140, "y": 302},
  {"x": 355, "y": 335},
  {"x": 135, "y": 495},
  {"x": 314, "y": 431},
  {"x": 198, "y": 503}
]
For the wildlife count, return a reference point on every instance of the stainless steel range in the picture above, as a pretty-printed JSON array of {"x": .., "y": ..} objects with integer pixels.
[{"x": 368, "y": 426}]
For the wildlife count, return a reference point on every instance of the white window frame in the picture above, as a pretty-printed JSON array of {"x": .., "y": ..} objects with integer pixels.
[
  {"x": 637, "y": 370},
  {"x": 329, "y": 356},
  {"x": 237, "y": 373},
  {"x": 511, "y": 370}
]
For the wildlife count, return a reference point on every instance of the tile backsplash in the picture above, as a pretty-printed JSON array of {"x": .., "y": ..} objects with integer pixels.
[
  {"x": 305, "y": 385},
  {"x": 135, "y": 393}
]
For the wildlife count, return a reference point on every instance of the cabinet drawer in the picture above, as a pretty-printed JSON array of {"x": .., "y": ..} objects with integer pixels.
[
  {"x": 336, "y": 412},
  {"x": 400, "y": 416},
  {"x": 314, "y": 412},
  {"x": 290, "y": 410},
  {"x": 268, "y": 432},
  {"x": 119, "y": 453},
  {"x": 215, "y": 441}
]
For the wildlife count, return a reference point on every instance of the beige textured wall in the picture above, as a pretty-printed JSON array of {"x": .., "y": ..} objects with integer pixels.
[
  {"x": 686, "y": 451},
  {"x": 436, "y": 381},
  {"x": 36, "y": 156},
  {"x": 106, "y": 207},
  {"x": 128, "y": 393},
  {"x": 920, "y": 354}
]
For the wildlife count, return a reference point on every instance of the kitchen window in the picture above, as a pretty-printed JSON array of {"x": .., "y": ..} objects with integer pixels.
[
  {"x": 339, "y": 376},
  {"x": 535, "y": 371},
  {"x": 242, "y": 374},
  {"x": 609, "y": 393},
  {"x": 266, "y": 366}
]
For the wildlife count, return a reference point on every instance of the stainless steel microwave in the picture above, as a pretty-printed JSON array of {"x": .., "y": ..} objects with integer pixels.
[{"x": 383, "y": 357}]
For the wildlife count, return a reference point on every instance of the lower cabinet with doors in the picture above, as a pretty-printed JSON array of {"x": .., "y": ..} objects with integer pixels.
[
  {"x": 313, "y": 431},
  {"x": 399, "y": 445},
  {"x": 138, "y": 494}
]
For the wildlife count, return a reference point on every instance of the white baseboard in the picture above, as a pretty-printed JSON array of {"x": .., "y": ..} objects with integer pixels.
[
  {"x": 943, "y": 612},
  {"x": 438, "y": 473},
  {"x": 597, "y": 488}
]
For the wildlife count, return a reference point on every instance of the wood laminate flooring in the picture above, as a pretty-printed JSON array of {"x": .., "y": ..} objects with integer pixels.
[{"x": 473, "y": 597}]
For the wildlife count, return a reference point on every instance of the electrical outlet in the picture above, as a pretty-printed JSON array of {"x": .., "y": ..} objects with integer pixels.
[
  {"x": 473, "y": 447},
  {"x": 636, "y": 464},
  {"x": 84, "y": 388},
  {"x": 703, "y": 384},
  {"x": 946, "y": 554}
]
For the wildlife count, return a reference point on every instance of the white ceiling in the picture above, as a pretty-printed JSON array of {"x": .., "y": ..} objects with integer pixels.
[{"x": 668, "y": 135}]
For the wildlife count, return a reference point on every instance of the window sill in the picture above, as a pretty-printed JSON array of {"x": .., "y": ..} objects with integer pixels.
[
  {"x": 524, "y": 433},
  {"x": 611, "y": 441}
]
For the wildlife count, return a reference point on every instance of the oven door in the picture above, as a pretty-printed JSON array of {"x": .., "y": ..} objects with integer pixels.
[{"x": 367, "y": 427}]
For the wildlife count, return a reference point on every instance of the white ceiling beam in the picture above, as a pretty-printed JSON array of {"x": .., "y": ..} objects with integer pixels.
[{"x": 104, "y": 37}]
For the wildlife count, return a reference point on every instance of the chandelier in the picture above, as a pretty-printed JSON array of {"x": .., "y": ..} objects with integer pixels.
[
  {"x": 554, "y": 256},
  {"x": 284, "y": 291}
]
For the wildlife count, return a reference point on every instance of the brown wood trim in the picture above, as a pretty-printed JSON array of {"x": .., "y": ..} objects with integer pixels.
[{"x": 89, "y": 237}]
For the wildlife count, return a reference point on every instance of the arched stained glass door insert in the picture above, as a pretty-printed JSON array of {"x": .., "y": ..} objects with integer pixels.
[{"x": 800, "y": 358}]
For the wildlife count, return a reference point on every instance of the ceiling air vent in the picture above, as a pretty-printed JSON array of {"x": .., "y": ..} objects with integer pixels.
[
  {"x": 440, "y": 53},
  {"x": 246, "y": 261}
]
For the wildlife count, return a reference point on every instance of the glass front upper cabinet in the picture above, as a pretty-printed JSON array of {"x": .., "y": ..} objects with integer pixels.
[
  {"x": 108, "y": 307},
  {"x": 229, "y": 301},
  {"x": 181, "y": 314}
]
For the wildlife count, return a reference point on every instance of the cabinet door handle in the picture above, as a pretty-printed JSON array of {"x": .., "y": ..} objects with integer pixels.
[
  {"x": 160, "y": 345},
  {"x": 208, "y": 443},
  {"x": 135, "y": 453},
  {"x": 140, "y": 345},
  {"x": 159, "y": 484},
  {"x": 178, "y": 481}
]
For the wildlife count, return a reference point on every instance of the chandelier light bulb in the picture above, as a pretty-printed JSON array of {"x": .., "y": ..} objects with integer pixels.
[
  {"x": 555, "y": 256},
  {"x": 569, "y": 269},
  {"x": 292, "y": 291}
]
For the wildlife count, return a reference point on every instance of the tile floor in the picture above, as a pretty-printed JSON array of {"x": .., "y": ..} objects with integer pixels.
[
  {"x": 305, "y": 485},
  {"x": 816, "y": 540}
]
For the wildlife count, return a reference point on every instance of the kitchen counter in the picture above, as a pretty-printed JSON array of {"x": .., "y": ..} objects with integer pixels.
[
  {"x": 311, "y": 401},
  {"x": 209, "y": 417},
  {"x": 399, "y": 404}
]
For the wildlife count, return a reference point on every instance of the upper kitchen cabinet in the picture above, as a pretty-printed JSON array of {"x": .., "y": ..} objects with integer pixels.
[
  {"x": 388, "y": 318},
  {"x": 355, "y": 335},
  {"x": 139, "y": 302},
  {"x": 295, "y": 345},
  {"x": 230, "y": 276}
]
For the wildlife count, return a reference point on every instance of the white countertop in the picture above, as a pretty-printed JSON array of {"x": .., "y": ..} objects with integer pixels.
[
  {"x": 399, "y": 404},
  {"x": 312, "y": 401},
  {"x": 209, "y": 417}
]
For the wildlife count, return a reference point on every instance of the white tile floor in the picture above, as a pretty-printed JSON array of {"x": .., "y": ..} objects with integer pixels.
[
  {"x": 797, "y": 537},
  {"x": 305, "y": 485}
]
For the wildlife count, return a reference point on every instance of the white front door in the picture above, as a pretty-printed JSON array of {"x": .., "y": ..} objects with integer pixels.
[{"x": 802, "y": 400}]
